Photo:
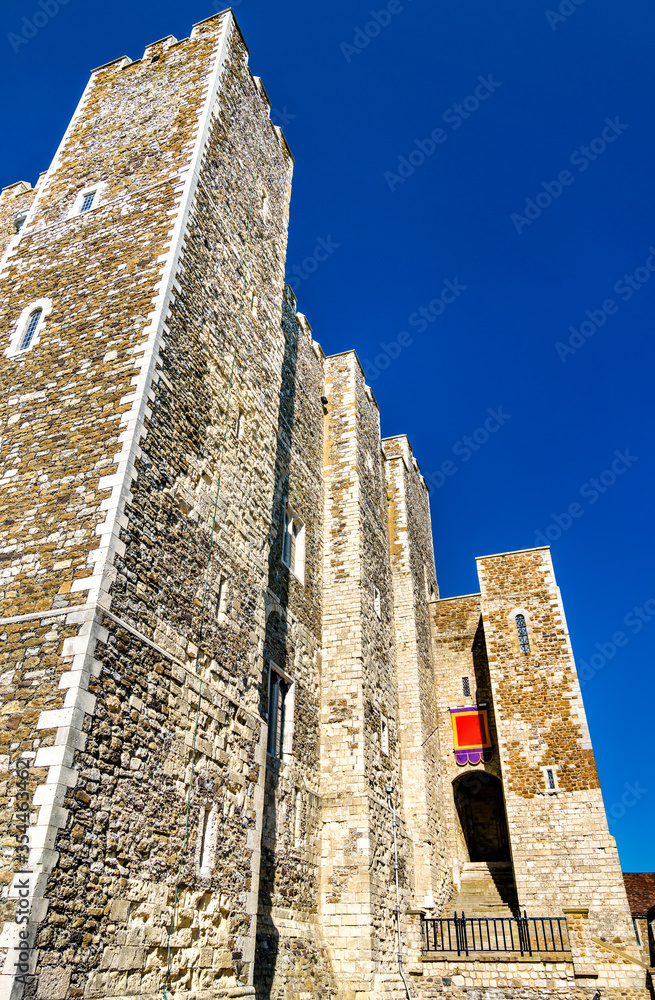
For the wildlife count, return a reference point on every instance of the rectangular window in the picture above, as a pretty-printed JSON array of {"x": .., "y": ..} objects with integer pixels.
[
  {"x": 87, "y": 202},
  {"x": 280, "y": 715},
  {"x": 293, "y": 545},
  {"x": 384, "y": 735},
  {"x": 298, "y": 819},
  {"x": 550, "y": 777},
  {"x": 221, "y": 597},
  {"x": 466, "y": 687},
  {"x": 377, "y": 602},
  {"x": 207, "y": 828}
]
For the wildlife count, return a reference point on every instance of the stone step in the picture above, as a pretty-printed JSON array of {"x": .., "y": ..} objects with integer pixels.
[{"x": 486, "y": 889}]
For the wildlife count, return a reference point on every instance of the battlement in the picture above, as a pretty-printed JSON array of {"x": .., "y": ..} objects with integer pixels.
[
  {"x": 162, "y": 45},
  {"x": 15, "y": 190},
  {"x": 155, "y": 53},
  {"x": 516, "y": 552},
  {"x": 15, "y": 202}
]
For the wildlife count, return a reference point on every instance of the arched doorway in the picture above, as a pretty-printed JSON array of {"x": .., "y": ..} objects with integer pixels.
[{"x": 481, "y": 811}]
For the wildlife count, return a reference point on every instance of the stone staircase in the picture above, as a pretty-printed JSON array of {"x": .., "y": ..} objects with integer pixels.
[{"x": 486, "y": 890}]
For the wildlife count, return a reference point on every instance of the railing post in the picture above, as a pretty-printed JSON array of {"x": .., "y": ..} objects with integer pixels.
[
  {"x": 527, "y": 932},
  {"x": 524, "y": 934},
  {"x": 462, "y": 942},
  {"x": 417, "y": 930}
]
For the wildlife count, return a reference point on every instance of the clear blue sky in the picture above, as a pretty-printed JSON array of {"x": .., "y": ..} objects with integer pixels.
[{"x": 546, "y": 87}]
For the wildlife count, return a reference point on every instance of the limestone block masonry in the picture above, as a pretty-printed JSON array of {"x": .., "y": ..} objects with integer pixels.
[{"x": 224, "y": 662}]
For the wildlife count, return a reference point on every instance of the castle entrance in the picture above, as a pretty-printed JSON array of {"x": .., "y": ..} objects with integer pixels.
[{"x": 481, "y": 811}]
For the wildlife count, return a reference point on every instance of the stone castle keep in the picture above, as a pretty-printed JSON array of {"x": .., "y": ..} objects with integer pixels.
[{"x": 247, "y": 750}]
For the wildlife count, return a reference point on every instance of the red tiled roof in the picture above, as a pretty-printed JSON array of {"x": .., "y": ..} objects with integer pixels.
[{"x": 640, "y": 887}]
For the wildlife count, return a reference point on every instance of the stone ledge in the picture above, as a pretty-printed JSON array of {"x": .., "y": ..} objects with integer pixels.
[{"x": 618, "y": 952}]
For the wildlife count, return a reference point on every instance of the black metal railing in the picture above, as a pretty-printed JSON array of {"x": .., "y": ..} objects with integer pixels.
[{"x": 495, "y": 934}]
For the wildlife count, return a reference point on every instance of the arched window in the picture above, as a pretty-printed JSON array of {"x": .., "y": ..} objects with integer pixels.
[
  {"x": 30, "y": 329},
  {"x": 522, "y": 629}
]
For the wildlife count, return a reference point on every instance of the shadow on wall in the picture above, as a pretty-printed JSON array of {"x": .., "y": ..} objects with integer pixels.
[
  {"x": 481, "y": 812},
  {"x": 276, "y": 650}
]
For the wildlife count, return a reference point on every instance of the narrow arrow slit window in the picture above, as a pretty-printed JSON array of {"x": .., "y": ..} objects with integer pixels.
[{"x": 293, "y": 545}]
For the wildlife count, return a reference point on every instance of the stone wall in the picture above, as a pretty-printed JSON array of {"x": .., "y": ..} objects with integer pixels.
[
  {"x": 562, "y": 851},
  {"x": 156, "y": 787},
  {"x": 523, "y": 979},
  {"x": 358, "y": 695},
  {"x": 459, "y": 651},
  {"x": 291, "y": 954},
  {"x": 14, "y": 201},
  {"x": 414, "y": 580},
  {"x": 563, "y": 858},
  {"x": 61, "y": 402}
]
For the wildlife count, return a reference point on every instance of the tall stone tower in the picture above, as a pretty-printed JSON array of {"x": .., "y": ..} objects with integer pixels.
[
  {"x": 155, "y": 239},
  {"x": 526, "y": 829},
  {"x": 247, "y": 748}
]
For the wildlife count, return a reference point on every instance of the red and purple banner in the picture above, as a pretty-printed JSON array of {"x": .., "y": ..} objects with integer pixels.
[{"x": 471, "y": 735}]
